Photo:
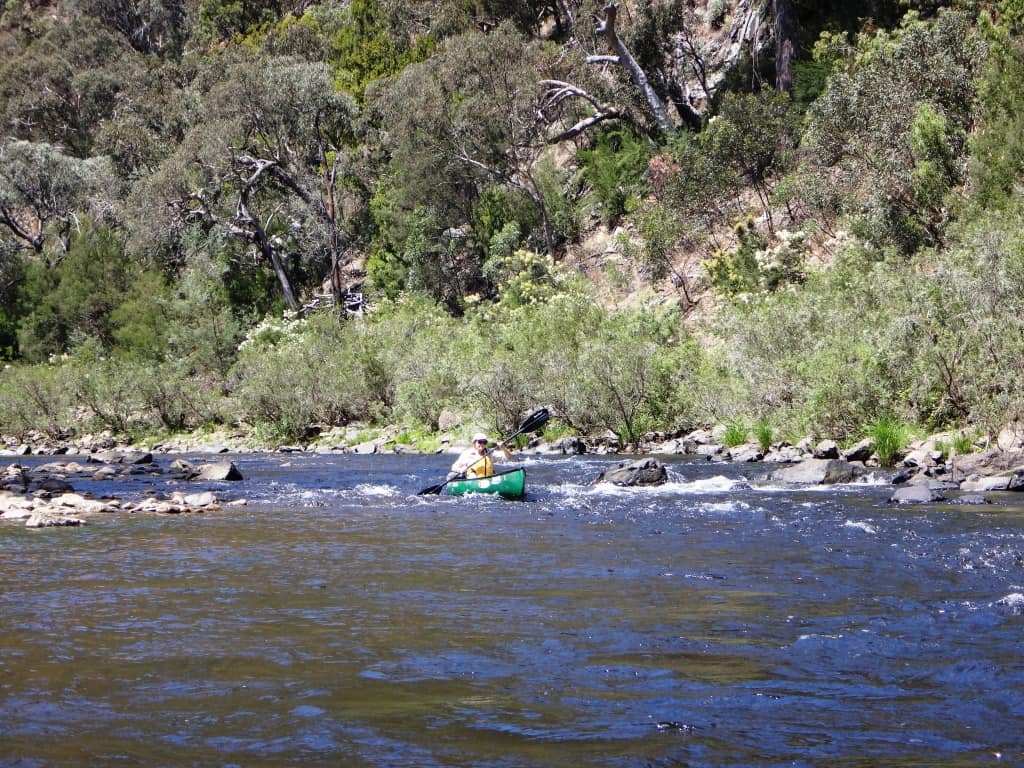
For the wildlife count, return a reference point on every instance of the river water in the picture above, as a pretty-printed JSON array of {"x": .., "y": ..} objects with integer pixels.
[{"x": 341, "y": 620}]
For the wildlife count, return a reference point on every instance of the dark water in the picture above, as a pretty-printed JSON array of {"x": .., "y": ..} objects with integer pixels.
[{"x": 341, "y": 620}]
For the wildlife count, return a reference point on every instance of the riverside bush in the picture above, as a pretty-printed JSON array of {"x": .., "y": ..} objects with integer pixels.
[{"x": 34, "y": 397}]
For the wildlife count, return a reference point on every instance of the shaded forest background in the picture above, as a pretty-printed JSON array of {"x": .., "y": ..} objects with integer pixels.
[{"x": 796, "y": 218}]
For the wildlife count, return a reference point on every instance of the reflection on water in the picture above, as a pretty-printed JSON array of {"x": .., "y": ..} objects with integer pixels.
[{"x": 340, "y": 619}]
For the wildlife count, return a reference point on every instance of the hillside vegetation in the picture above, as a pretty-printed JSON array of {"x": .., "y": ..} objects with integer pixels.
[{"x": 791, "y": 217}]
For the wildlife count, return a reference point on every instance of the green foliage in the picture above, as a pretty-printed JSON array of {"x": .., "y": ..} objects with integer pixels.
[
  {"x": 523, "y": 277},
  {"x": 44, "y": 193},
  {"x": 60, "y": 84},
  {"x": 935, "y": 168},
  {"x": 753, "y": 137},
  {"x": 241, "y": 175},
  {"x": 691, "y": 182},
  {"x": 735, "y": 434},
  {"x": 964, "y": 442},
  {"x": 224, "y": 19},
  {"x": 35, "y": 397},
  {"x": 457, "y": 124},
  {"x": 141, "y": 321},
  {"x": 204, "y": 332},
  {"x": 99, "y": 385},
  {"x": 890, "y": 438},
  {"x": 170, "y": 397},
  {"x": 809, "y": 81},
  {"x": 736, "y": 271},
  {"x": 365, "y": 49},
  {"x": 74, "y": 302},
  {"x": 625, "y": 372},
  {"x": 997, "y": 147},
  {"x": 614, "y": 168},
  {"x": 556, "y": 190},
  {"x": 659, "y": 228},
  {"x": 755, "y": 264},
  {"x": 868, "y": 152},
  {"x": 764, "y": 434},
  {"x": 824, "y": 359},
  {"x": 12, "y": 279},
  {"x": 502, "y": 217}
]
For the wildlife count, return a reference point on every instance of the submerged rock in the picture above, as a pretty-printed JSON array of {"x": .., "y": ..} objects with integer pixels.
[{"x": 917, "y": 493}]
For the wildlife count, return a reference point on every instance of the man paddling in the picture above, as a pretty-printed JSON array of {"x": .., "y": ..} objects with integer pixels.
[{"x": 476, "y": 461}]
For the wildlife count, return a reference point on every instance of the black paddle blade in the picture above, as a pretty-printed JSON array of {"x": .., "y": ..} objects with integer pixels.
[
  {"x": 535, "y": 421},
  {"x": 434, "y": 489}
]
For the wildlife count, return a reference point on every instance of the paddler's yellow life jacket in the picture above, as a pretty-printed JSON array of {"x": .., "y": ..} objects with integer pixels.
[{"x": 482, "y": 467}]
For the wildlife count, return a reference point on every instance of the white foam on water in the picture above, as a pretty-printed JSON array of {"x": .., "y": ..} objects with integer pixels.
[
  {"x": 376, "y": 489},
  {"x": 710, "y": 485},
  {"x": 1012, "y": 600},
  {"x": 725, "y": 506},
  {"x": 866, "y": 527},
  {"x": 872, "y": 478}
]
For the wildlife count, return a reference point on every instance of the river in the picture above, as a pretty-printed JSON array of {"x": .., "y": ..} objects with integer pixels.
[{"x": 341, "y": 620}]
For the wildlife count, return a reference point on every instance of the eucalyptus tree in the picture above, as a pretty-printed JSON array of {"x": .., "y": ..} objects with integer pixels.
[
  {"x": 58, "y": 86},
  {"x": 43, "y": 194},
  {"x": 862, "y": 130},
  {"x": 264, "y": 161},
  {"x": 470, "y": 118},
  {"x": 154, "y": 26}
]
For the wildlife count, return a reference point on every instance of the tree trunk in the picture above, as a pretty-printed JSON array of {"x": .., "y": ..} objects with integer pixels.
[
  {"x": 282, "y": 277},
  {"x": 785, "y": 45},
  {"x": 636, "y": 73}
]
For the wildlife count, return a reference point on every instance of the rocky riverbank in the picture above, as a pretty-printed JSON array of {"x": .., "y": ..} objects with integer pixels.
[{"x": 45, "y": 495}]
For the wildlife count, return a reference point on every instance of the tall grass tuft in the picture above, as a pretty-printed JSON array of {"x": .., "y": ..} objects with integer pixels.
[
  {"x": 735, "y": 434},
  {"x": 890, "y": 438},
  {"x": 963, "y": 442},
  {"x": 763, "y": 434}
]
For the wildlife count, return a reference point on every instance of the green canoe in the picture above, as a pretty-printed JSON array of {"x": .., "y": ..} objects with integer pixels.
[{"x": 508, "y": 485}]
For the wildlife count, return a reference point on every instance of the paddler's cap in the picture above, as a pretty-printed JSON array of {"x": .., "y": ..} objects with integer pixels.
[{"x": 480, "y": 437}]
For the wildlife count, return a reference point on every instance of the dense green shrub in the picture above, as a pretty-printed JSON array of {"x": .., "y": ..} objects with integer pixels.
[
  {"x": 997, "y": 146},
  {"x": 614, "y": 167}
]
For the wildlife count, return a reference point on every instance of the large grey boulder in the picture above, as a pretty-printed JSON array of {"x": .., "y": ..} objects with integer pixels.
[
  {"x": 121, "y": 457},
  {"x": 818, "y": 472},
  {"x": 633, "y": 473},
  {"x": 219, "y": 470}
]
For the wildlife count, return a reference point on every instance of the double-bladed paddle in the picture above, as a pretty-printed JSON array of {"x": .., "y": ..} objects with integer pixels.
[{"x": 533, "y": 422}]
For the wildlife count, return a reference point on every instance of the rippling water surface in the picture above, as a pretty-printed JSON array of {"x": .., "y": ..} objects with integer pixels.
[{"x": 339, "y": 619}]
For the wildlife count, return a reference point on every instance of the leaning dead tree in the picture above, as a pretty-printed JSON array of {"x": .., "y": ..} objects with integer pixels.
[
  {"x": 636, "y": 72},
  {"x": 696, "y": 64}
]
